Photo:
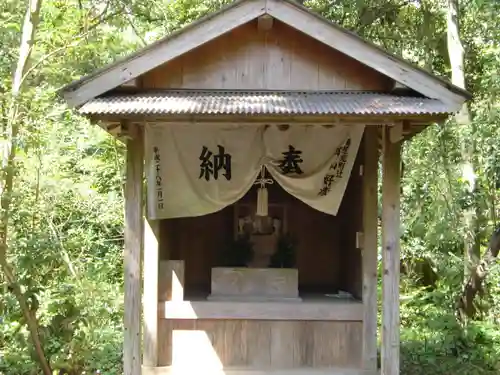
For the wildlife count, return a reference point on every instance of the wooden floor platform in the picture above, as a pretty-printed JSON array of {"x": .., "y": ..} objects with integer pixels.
[
  {"x": 297, "y": 371},
  {"x": 312, "y": 307}
]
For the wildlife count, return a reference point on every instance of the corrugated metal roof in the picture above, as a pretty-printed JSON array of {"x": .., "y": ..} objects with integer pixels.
[{"x": 188, "y": 102}]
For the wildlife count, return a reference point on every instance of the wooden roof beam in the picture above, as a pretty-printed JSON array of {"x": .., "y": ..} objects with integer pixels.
[{"x": 265, "y": 22}]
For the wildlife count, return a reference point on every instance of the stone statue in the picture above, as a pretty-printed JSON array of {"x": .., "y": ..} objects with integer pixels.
[{"x": 264, "y": 233}]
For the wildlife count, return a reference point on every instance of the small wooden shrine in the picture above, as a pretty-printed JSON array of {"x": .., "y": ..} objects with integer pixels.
[{"x": 252, "y": 247}]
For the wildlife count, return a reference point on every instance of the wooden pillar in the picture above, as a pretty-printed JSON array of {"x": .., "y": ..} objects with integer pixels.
[
  {"x": 391, "y": 164},
  {"x": 369, "y": 248},
  {"x": 133, "y": 248},
  {"x": 150, "y": 295}
]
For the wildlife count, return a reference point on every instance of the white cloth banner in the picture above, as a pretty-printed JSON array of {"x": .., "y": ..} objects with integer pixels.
[{"x": 194, "y": 170}]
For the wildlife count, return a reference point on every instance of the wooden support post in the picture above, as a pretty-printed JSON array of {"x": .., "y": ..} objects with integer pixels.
[
  {"x": 150, "y": 295},
  {"x": 132, "y": 256},
  {"x": 391, "y": 165},
  {"x": 369, "y": 248}
]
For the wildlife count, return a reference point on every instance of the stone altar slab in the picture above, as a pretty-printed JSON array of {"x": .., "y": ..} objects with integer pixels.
[{"x": 255, "y": 284}]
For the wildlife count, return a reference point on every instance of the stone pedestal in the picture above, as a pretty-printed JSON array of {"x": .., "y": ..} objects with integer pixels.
[
  {"x": 264, "y": 248},
  {"x": 255, "y": 284}
]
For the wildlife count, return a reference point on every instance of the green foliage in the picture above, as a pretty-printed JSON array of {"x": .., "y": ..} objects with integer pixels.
[
  {"x": 238, "y": 253},
  {"x": 286, "y": 253},
  {"x": 66, "y": 244},
  {"x": 434, "y": 343}
]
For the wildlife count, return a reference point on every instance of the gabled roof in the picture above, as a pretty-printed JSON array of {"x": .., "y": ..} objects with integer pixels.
[{"x": 243, "y": 11}]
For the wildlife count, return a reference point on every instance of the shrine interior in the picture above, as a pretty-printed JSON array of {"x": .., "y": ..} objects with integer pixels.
[{"x": 325, "y": 247}]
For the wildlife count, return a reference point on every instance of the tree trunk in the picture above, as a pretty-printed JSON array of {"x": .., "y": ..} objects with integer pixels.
[
  {"x": 476, "y": 271},
  {"x": 9, "y": 149},
  {"x": 474, "y": 284},
  {"x": 463, "y": 119}
]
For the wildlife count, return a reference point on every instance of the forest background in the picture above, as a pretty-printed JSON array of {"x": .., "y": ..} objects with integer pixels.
[{"x": 61, "y": 217}]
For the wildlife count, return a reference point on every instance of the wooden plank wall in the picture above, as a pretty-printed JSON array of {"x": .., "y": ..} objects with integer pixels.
[
  {"x": 281, "y": 59},
  {"x": 317, "y": 237},
  {"x": 327, "y": 259},
  {"x": 351, "y": 214},
  {"x": 260, "y": 343},
  {"x": 198, "y": 241}
]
